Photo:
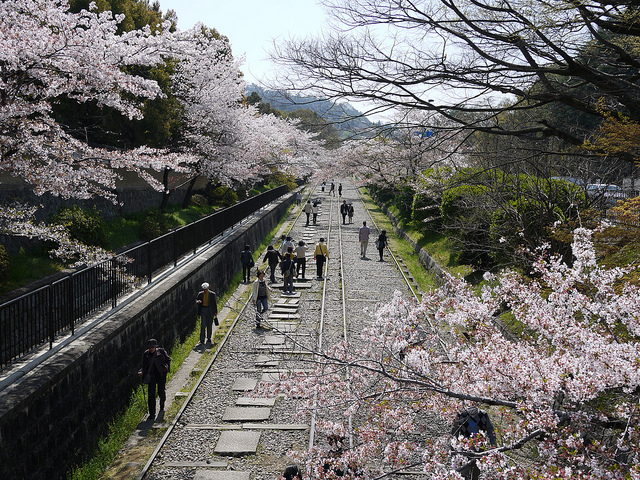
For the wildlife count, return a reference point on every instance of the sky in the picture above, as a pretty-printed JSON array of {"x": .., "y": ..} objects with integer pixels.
[{"x": 252, "y": 25}]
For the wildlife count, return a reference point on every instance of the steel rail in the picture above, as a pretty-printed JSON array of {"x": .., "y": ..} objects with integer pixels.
[
  {"x": 189, "y": 398},
  {"x": 345, "y": 326},
  {"x": 312, "y": 426},
  {"x": 435, "y": 331}
]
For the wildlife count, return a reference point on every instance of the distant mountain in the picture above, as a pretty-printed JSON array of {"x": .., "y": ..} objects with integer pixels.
[{"x": 345, "y": 118}]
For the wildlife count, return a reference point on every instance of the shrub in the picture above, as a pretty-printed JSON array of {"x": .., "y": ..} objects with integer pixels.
[
  {"x": 224, "y": 196},
  {"x": 84, "y": 225},
  {"x": 4, "y": 263},
  {"x": 199, "y": 200},
  {"x": 155, "y": 224},
  {"x": 425, "y": 214}
]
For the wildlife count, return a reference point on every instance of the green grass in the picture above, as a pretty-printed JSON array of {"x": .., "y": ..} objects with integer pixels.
[
  {"x": 437, "y": 246},
  {"x": 122, "y": 231},
  {"x": 126, "y": 422},
  {"x": 27, "y": 268},
  {"x": 108, "y": 447}
]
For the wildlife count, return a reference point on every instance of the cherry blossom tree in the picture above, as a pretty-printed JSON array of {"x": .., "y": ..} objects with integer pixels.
[
  {"x": 232, "y": 140},
  {"x": 402, "y": 152},
  {"x": 561, "y": 385},
  {"x": 49, "y": 53}
]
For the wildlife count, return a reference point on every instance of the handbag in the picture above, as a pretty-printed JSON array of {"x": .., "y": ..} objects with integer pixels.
[{"x": 147, "y": 378}]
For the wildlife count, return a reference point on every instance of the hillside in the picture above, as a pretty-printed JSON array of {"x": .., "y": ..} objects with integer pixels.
[{"x": 345, "y": 118}]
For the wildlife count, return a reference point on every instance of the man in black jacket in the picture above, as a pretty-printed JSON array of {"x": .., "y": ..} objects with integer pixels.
[
  {"x": 273, "y": 257},
  {"x": 155, "y": 366},
  {"x": 344, "y": 209}
]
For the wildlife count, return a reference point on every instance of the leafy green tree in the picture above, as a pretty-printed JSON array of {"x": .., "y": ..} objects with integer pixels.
[
  {"x": 312, "y": 122},
  {"x": 494, "y": 215}
]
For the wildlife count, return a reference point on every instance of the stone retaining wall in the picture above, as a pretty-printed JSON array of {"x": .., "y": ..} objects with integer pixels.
[{"x": 53, "y": 416}]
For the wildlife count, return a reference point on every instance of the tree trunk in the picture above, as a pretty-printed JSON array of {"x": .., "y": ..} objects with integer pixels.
[
  {"x": 166, "y": 193},
  {"x": 187, "y": 196}
]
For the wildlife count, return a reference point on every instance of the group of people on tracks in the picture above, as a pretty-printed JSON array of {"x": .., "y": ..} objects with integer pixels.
[{"x": 289, "y": 258}]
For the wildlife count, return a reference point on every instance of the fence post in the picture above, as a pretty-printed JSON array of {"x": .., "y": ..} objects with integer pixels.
[
  {"x": 149, "y": 268},
  {"x": 175, "y": 246},
  {"x": 50, "y": 310},
  {"x": 72, "y": 304},
  {"x": 114, "y": 289}
]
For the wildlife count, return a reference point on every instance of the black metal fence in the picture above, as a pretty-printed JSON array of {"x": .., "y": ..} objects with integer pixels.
[{"x": 33, "y": 319}]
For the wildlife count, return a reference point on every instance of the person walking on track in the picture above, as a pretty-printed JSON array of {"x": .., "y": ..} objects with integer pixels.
[
  {"x": 288, "y": 267},
  {"x": 260, "y": 294},
  {"x": 307, "y": 210},
  {"x": 381, "y": 243},
  {"x": 344, "y": 210},
  {"x": 320, "y": 255},
  {"x": 207, "y": 310},
  {"x": 273, "y": 257},
  {"x": 155, "y": 366},
  {"x": 301, "y": 258},
  {"x": 363, "y": 236}
]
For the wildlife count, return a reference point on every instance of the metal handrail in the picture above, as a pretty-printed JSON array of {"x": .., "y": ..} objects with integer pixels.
[{"x": 30, "y": 320}]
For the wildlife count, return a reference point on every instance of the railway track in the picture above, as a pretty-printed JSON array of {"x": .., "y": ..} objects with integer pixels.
[{"x": 222, "y": 431}]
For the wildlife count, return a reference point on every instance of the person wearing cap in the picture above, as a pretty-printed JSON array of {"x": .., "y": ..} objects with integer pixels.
[
  {"x": 207, "y": 310},
  {"x": 155, "y": 366},
  {"x": 320, "y": 255}
]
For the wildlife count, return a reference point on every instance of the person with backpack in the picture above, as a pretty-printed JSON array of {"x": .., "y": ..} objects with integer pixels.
[
  {"x": 288, "y": 267},
  {"x": 155, "y": 366},
  {"x": 470, "y": 422},
  {"x": 320, "y": 255},
  {"x": 273, "y": 258},
  {"x": 246, "y": 258}
]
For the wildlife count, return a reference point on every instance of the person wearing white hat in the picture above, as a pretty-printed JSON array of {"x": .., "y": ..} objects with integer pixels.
[{"x": 207, "y": 310}]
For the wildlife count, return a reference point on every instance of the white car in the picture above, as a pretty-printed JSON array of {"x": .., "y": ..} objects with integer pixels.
[{"x": 606, "y": 190}]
